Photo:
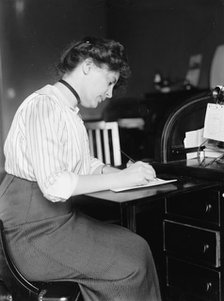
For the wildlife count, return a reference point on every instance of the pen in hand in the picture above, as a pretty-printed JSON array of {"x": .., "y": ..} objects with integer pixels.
[
  {"x": 132, "y": 160},
  {"x": 127, "y": 156}
]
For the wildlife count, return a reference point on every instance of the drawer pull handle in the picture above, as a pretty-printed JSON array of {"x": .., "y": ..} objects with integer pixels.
[
  {"x": 208, "y": 208},
  {"x": 208, "y": 286},
  {"x": 205, "y": 248}
]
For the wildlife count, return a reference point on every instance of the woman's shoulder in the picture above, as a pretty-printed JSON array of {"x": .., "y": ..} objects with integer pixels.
[
  {"x": 48, "y": 92},
  {"x": 46, "y": 96},
  {"x": 40, "y": 101}
]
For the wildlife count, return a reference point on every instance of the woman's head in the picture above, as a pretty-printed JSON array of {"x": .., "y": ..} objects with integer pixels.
[{"x": 103, "y": 52}]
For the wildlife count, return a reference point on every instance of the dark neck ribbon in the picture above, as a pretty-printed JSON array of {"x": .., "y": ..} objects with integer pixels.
[{"x": 71, "y": 89}]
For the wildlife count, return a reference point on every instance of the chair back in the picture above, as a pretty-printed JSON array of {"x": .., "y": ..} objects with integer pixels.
[{"x": 104, "y": 141}]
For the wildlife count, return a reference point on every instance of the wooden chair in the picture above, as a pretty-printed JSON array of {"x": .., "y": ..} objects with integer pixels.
[
  {"x": 104, "y": 141},
  {"x": 57, "y": 290}
]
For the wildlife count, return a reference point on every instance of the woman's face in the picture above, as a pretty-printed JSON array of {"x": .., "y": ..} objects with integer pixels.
[{"x": 99, "y": 84}]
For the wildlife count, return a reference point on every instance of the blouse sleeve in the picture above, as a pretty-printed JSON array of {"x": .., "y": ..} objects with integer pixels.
[
  {"x": 45, "y": 131},
  {"x": 94, "y": 164}
]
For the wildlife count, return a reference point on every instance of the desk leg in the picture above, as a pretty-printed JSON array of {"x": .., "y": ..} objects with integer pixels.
[{"x": 128, "y": 216}]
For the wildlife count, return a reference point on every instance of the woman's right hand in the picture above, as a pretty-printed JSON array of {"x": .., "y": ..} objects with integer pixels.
[{"x": 139, "y": 173}]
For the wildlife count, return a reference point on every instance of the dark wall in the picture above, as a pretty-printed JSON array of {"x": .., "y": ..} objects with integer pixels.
[
  {"x": 33, "y": 35},
  {"x": 161, "y": 35}
]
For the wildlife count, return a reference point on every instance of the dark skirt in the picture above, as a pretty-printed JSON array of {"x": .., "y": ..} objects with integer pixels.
[{"x": 51, "y": 241}]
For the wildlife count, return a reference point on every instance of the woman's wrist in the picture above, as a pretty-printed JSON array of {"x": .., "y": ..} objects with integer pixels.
[{"x": 107, "y": 168}]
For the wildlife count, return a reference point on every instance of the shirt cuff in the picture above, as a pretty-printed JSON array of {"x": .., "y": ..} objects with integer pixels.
[{"x": 95, "y": 163}]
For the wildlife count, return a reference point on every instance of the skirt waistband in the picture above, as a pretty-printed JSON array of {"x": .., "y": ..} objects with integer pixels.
[{"x": 22, "y": 201}]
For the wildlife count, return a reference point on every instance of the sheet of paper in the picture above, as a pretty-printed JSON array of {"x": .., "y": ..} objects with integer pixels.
[
  {"x": 193, "y": 139},
  {"x": 155, "y": 182},
  {"x": 214, "y": 122}
]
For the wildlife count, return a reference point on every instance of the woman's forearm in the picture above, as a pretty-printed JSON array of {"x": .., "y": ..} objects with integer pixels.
[
  {"x": 138, "y": 173},
  {"x": 105, "y": 169},
  {"x": 97, "y": 182}
]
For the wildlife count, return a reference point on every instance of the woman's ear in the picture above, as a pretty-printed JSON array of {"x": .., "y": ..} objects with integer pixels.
[{"x": 87, "y": 65}]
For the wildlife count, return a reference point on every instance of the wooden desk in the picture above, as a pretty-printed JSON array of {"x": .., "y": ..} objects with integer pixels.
[
  {"x": 131, "y": 202},
  {"x": 193, "y": 234},
  {"x": 189, "y": 259}
]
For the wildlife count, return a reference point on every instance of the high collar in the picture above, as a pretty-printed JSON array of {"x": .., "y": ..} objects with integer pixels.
[{"x": 67, "y": 96}]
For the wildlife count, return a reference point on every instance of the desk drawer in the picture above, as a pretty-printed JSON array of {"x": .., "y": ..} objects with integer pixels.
[
  {"x": 199, "y": 205},
  {"x": 193, "y": 280},
  {"x": 192, "y": 243}
]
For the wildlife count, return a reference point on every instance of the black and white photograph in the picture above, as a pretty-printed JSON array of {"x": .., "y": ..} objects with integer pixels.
[{"x": 111, "y": 150}]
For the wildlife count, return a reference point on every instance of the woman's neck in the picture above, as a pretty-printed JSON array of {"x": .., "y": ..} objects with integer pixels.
[{"x": 70, "y": 98}]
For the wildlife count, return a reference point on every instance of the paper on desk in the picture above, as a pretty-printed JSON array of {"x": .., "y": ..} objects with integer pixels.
[
  {"x": 193, "y": 139},
  {"x": 155, "y": 182},
  {"x": 214, "y": 122}
]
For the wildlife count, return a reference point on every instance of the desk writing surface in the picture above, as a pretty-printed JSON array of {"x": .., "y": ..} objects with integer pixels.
[
  {"x": 193, "y": 168},
  {"x": 148, "y": 192}
]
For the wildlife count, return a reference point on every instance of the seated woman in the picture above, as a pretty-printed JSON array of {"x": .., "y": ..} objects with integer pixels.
[{"x": 48, "y": 163}]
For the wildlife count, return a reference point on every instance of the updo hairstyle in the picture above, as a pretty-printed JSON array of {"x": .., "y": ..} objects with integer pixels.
[{"x": 102, "y": 51}]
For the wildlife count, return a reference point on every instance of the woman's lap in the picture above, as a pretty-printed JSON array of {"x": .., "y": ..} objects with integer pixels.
[{"x": 108, "y": 261}]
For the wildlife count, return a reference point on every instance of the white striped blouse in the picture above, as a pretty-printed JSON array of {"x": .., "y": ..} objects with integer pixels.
[{"x": 48, "y": 143}]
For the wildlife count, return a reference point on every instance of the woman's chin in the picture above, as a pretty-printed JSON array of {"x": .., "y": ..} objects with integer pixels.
[
  {"x": 96, "y": 104},
  {"x": 90, "y": 105},
  {"x": 93, "y": 105}
]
